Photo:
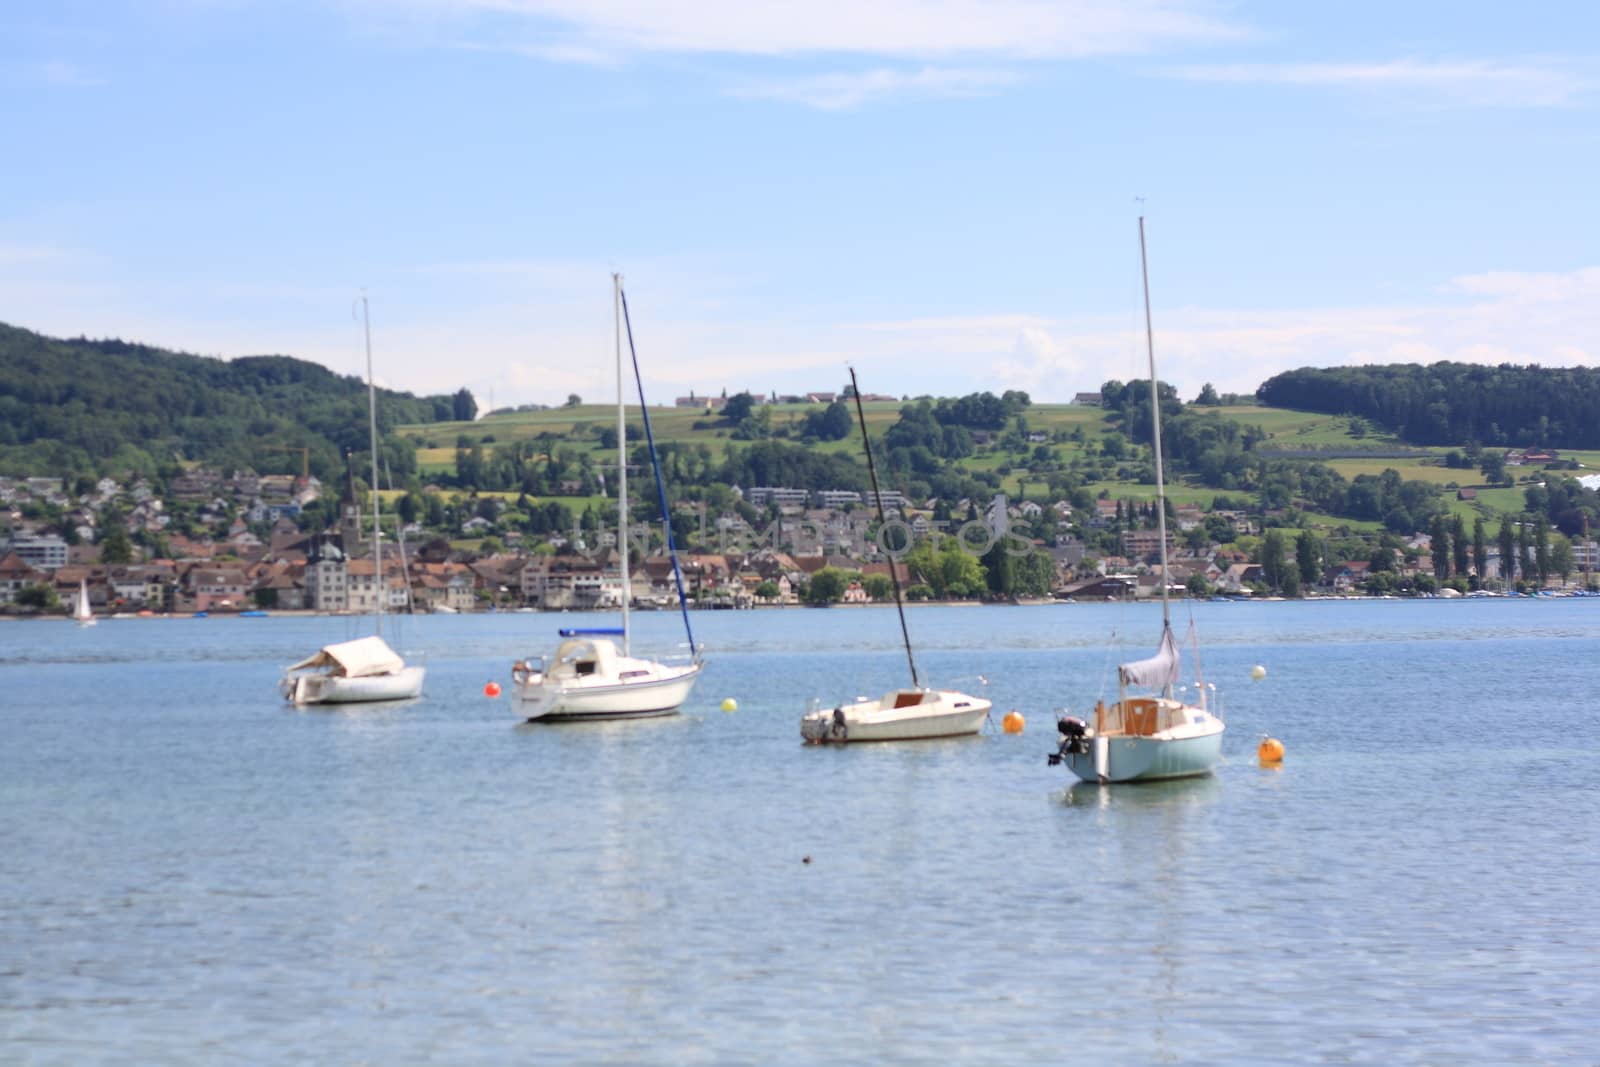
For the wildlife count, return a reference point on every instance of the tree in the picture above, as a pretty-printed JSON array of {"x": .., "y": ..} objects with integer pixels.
[
  {"x": 1494, "y": 467},
  {"x": 42, "y": 597},
  {"x": 1274, "y": 566},
  {"x": 1305, "y": 559},
  {"x": 878, "y": 586},
  {"x": 827, "y": 586},
  {"x": 573, "y": 400},
  {"x": 1208, "y": 396},
  {"x": 1459, "y": 547},
  {"x": 1508, "y": 550},
  {"x": 1197, "y": 586},
  {"x": 767, "y": 590},
  {"x": 1541, "y": 549},
  {"x": 1439, "y": 542},
  {"x": 1480, "y": 548},
  {"x": 738, "y": 407},
  {"x": 463, "y": 407},
  {"x": 114, "y": 544}
]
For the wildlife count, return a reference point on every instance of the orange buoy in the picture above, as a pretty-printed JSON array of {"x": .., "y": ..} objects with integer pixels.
[
  {"x": 1270, "y": 750},
  {"x": 491, "y": 690},
  {"x": 1013, "y": 722}
]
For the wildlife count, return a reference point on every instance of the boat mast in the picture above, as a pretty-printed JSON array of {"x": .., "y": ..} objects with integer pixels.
[
  {"x": 622, "y": 463},
  {"x": 894, "y": 567},
  {"x": 1155, "y": 432},
  {"x": 372, "y": 428}
]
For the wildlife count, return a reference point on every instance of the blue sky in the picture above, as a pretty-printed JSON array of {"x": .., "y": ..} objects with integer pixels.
[{"x": 942, "y": 192}]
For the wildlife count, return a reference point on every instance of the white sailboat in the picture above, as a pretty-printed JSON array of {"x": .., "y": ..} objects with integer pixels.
[
  {"x": 910, "y": 714},
  {"x": 82, "y": 613},
  {"x": 591, "y": 677},
  {"x": 367, "y": 669},
  {"x": 1146, "y": 738}
]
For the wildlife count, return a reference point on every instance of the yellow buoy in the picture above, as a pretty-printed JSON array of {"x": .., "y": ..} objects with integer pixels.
[
  {"x": 1270, "y": 750},
  {"x": 1258, "y": 672},
  {"x": 491, "y": 690},
  {"x": 1013, "y": 722},
  {"x": 730, "y": 704}
]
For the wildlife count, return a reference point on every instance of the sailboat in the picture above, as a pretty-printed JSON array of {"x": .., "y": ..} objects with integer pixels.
[
  {"x": 82, "y": 613},
  {"x": 910, "y": 714},
  {"x": 366, "y": 669},
  {"x": 1146, "y": 738},
  {"x": 591, "y": 676}
]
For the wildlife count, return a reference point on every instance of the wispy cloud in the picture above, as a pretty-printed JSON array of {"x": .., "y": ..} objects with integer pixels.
[
  {"x": 843, "y": 91},
  {"x": 54, "y": 74},
  {"x": 1529, "y": 84},
  {"x": 898, "y": 28}
]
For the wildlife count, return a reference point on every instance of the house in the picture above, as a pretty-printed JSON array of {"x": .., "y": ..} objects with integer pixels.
[
  {"x": 217, "y": 587},
  {"x": 1346, "y": 577},
  {"x": 1144, "y": 544},
  {"x": 1239, "y": 576},
  {"x": 1466, "y": 494},
  {"x": 16, "y": 574},
  {"x": 45, "y": 552},
  {"x": 1092, "y": 400}
]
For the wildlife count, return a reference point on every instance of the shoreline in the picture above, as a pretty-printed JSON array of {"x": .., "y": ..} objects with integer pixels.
[{"x": 1032, "y": 602}]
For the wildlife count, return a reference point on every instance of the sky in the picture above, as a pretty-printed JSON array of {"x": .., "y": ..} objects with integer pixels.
[{"x": 942, "y": 193}]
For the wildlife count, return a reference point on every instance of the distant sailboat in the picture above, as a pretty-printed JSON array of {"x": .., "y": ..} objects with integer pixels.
[
  {"x": 909, "y": 714},
  {"x": 82, "y": 613},
  {"x": 1145, "y": 738},
  {"x": 589, "y": 677},
  {"x": 367, "y": 669}
]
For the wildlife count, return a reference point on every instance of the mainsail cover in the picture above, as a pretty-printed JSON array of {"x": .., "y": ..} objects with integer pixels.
[
  {"x": 361, "y": 658},
  {"x": 1160, "y": 670}
]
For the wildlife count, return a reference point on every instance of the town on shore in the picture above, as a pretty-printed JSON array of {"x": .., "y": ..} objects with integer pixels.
[{"x": 215, "y": 542}]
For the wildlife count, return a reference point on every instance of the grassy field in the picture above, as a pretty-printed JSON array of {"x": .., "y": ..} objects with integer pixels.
[{"x": 579, "y": 427}]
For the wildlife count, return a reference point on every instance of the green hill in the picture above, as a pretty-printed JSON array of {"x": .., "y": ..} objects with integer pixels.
[{"x": 111, "y": 407}]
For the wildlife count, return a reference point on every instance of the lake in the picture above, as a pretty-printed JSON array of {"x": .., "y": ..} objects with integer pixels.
[{"x": 193, "y": 872}]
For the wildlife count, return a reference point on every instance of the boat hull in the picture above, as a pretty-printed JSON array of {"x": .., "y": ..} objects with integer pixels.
[
  {"x": 339, "y": 689},
  {"x": 1147, "y": 759},
  {"x": 951, "y": 715},
  {"x": 548, "y": 700}
]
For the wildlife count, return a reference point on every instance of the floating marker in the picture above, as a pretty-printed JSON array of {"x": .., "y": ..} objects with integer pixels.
[
  {"x": 491, "y": 690},
  {"x": 1258, "y": 672},
  {"x": 1013, "y": 722},
  {"x": 729, "y": 704},
  {"x": 1270, "y": 751}
]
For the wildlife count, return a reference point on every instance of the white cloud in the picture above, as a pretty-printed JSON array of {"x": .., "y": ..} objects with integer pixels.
[
  {"x": 1545, "y": 83},
  {"x": 908, "y": 28},
  {"x": 840, "y": 92}
]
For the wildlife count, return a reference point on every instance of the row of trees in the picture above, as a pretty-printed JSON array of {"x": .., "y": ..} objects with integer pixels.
[
  {"x": 1446, "y": 403},
  {"x": 110, "y": 407}
]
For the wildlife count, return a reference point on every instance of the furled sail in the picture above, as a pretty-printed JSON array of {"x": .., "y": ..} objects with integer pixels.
[{"x": 1160, "y": 670}]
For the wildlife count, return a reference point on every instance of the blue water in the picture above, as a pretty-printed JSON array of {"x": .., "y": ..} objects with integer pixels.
[{"x": 191, "y": 872}]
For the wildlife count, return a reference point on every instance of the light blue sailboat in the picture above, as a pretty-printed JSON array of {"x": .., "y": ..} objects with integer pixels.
[{"x": 1145, "y": 738}]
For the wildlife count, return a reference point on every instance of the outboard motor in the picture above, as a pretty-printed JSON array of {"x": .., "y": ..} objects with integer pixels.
[{"x": 1074, "y": 736}]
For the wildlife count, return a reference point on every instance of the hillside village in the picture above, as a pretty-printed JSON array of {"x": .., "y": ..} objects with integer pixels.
[{"x": 225, "y": 542}]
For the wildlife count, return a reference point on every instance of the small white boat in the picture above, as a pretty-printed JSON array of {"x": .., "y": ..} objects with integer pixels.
[
  {"x": 367, "y": 669},
  {"x": 1141, "y": 739},
  {"x": 352, "y": 672},
  {"x": 589, "y": 677},
  {"x": 915, "y": 713},
  {"x": 901, "y": 715},
  {"x": 82, "y": 613}
]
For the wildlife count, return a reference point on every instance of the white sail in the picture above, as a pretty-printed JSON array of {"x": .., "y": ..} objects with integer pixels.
[
  {"x": 81, "y": 611},
  {"x": 1157, "y": 672}
]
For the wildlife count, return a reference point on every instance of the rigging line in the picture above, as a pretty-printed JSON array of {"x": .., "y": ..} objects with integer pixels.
[
  {"x": 655, "y": 467},
  {"x": 877, "y": 496}
]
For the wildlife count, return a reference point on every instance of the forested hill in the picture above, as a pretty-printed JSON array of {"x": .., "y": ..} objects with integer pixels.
[
  {"x": 1454, "y": 403},
  {"x": 109, "y": 407}
]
